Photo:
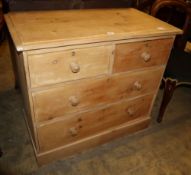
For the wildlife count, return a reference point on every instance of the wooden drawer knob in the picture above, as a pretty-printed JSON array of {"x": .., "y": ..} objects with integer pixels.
[
  {"x": 75, "y": 67},
  {"x": 146, "y": 56},
  {"x": 131, "y": 111},
  {"x": 74, "y": 100},
  {"x": 73, "y": 131},
  {"x": 137, "y": 85}
]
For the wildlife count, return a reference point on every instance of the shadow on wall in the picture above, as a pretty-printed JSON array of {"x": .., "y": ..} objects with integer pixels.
[{"x": 19, "y": 5}]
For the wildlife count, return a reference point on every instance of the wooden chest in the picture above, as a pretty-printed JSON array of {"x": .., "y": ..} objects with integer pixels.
[{"x": 87, "y": 76}]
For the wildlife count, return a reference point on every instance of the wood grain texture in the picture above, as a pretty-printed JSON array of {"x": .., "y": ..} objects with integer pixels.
[
  {"x": 79, "y": 126},
  {"x": 87, "y": 76},
  {"x": 21, "y": 78},
  {"x": 57, "y": 67},
  {"x": 143, "y": 54},
  {"x": 62, "y": 28},
  {"x": 55, "y": 102},
  {"x": 93, "y": 141},
  {"x": 104, "y": 43}
]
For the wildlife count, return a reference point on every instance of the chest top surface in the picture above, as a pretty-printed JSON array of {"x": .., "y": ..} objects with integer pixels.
[{"x": 35, "y": 30}]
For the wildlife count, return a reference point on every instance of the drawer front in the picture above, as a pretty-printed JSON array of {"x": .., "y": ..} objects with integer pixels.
[
  {"x": 56, "y": 67},
  {"x": 89, "y": 93},
  {"x": 83, "y": 125},
  {"x": 142, "y": 54}
]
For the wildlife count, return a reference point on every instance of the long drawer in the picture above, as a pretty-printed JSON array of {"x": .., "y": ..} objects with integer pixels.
[
  {"x": 142, "y": 54},
  {"x": 89, "y": 93},
  {"x": 76, "y": 127},
  {"x": 61, "y": 66}
]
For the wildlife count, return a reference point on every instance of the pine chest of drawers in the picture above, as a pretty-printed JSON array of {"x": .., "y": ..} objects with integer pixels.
[{"x": 87, "y": 76}]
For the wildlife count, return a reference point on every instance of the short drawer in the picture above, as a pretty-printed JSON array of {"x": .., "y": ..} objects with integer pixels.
[
  {"x": 142, "y": 54},
  {"x": 74, "y": 128},
  {"x": 61, "y": 66},
  {"x": 89, "y": 93}
]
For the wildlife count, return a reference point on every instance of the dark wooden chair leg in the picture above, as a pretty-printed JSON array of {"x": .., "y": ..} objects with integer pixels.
[
  {"x": 14, "y": 62},
  {"x": 1, "y": 153},
  {"x": 169, "y": 88}
]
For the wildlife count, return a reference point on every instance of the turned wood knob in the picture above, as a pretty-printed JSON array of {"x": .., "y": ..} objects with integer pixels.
[
  {"x": 74, "y": 100},
  {"x": 73, "y": 131},
  {"x": 131, "y": 111},
  {"x": 75, "y": 67},
  {"x": 137, "y": 85},
  {"x": 146, "y": 56}
]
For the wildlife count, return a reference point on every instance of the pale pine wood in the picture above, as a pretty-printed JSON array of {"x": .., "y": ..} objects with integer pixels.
[
  {"x": 84, "y": 125},
  {"x": 89, "y": 45},
  {"x": 83, "y": 77},
  {"x": 130, "y": 56},
  {"x": 55, "y": 102},
  {"x": 55, "y": 67},
  {"x": 62, "y": 28},
  {"x": 26, "y": 96},
  {"x": 93, "y": 141}
]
